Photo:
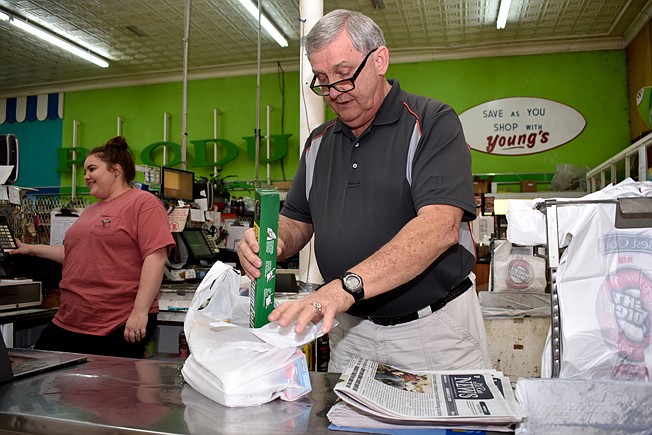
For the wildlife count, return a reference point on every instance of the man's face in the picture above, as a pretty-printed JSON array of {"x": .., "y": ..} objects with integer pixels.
[{"x": 339, "y": 60}]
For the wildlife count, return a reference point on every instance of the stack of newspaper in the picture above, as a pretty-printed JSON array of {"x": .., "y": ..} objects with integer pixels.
[{"x": 375, "y": 395}]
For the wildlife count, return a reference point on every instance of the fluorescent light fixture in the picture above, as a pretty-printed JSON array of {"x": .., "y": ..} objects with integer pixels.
[
  {"x": 503, "y": 11},
  {"x": 267, "y": 25},
  {"x": 55, "y": 40}
]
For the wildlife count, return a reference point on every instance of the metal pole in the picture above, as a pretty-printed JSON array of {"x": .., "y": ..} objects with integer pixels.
[
  {"x": 269, "y": 145},
  {"x": 184, "y": 120},
  {"x": 166, "y": 136},
  {"x": 216, "y": 113},
  {"x": 257, "y": 152},
  {"x": 75, "y": 135},
  {"x": 119, "y": 128}
]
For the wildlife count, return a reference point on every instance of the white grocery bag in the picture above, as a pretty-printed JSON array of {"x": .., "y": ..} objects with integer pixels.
[
  {"x": 236, "y": 365},
  {"x": 517, "y": 269}
]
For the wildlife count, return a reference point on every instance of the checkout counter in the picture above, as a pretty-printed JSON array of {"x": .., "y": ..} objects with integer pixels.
[{"x": 109, "y": 395}]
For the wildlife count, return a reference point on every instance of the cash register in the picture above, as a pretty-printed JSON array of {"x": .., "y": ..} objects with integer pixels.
[{"x": 16, "y": 290}]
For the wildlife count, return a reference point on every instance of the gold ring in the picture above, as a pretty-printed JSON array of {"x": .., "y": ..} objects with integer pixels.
[{"x": 317, "y": 306}]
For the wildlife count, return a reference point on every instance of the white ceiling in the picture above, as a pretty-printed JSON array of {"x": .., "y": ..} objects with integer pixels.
[{"x": 144, "y": 39}]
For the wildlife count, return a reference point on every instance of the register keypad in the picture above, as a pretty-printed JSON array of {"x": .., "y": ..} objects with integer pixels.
[{"x": 6, "y": 239}]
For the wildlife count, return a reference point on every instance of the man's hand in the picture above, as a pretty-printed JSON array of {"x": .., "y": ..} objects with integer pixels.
[
  {"x": 248, "y": 249},
  {"x": 324, "y": 304}
]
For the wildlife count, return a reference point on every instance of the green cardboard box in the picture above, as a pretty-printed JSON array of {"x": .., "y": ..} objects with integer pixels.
[{"x": 261, "y": 294}]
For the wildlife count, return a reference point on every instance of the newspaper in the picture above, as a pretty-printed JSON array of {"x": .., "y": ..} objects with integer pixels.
[{"x": 380, "y": 396}]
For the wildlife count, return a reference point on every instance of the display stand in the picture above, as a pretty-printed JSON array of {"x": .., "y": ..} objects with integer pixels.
[{"x": 630, "y": 213}]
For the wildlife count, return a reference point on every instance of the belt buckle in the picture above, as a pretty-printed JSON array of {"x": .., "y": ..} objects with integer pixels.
[{"x": 424, "y": 312}]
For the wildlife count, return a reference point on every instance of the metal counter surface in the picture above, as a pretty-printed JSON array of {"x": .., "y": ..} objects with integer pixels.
[{"x": 108, "y": 395}]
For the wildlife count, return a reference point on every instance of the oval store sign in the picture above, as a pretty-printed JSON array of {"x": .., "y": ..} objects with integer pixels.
[{"x": 520, "y": 125}]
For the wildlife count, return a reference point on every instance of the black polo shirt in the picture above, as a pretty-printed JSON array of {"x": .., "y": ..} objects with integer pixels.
[{"x": 359, "y": 192}]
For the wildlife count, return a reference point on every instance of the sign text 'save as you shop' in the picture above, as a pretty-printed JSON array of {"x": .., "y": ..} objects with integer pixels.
[{"x": 520, "y": 125}]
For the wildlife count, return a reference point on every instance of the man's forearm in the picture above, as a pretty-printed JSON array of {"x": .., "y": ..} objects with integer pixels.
[
  {"x": 411, "y": 251},
  {"x": 293, "y": 236}
]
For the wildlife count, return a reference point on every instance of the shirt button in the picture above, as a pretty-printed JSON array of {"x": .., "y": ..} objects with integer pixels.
[
  {"x": 355, "y": 165},
  {"x": 356, "y": 145}
]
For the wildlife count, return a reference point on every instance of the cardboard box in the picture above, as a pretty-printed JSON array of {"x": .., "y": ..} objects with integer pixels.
[
  {"x": 261, "y": 293},
  {"x": 528, "y": 186},
  {"x": 482, "y": 185}
]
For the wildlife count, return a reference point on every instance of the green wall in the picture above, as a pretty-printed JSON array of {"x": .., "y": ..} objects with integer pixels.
[
  {"x": 142, "y": 110},
  {"x": 594, "y": 83}
]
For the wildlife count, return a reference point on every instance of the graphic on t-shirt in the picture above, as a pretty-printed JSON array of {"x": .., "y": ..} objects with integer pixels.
[{"x": 103, "y": 224}]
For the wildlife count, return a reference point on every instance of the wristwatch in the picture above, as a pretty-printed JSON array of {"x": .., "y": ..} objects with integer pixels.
[{"x": 352, "y": 284}]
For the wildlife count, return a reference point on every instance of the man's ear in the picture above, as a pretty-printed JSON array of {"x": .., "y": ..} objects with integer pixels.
[{"x": 381, "y": 59}]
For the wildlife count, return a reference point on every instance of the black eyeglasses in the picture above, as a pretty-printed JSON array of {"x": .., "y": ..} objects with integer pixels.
[{"x": 345, "y": 85}]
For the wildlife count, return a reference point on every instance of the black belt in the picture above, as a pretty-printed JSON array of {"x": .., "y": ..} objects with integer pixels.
[{"x": 455, "y": 292}]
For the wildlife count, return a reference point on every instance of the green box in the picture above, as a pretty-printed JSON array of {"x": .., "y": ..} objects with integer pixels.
[{"x": 261, "y": 294}]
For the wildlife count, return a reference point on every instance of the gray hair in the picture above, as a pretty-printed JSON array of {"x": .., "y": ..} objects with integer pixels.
[{"x": 364, "y": 32}]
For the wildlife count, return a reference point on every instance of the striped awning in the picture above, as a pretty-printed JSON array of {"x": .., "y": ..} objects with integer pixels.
[{"x": 31, "y": 108}]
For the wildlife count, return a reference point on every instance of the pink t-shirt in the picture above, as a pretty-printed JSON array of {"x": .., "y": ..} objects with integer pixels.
[{"x": 105, "y": 249}]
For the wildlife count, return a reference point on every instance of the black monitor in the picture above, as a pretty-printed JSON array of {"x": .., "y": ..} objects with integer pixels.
[
  {"x": 177, "y": 183},
  {"x": 198, "y": 247}
]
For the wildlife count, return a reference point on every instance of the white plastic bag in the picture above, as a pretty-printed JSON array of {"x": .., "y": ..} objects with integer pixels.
[
  {"x": 517, "y": 269},
  {"x": 203, "y": 417},
  {"x": 230, "y": 364}
]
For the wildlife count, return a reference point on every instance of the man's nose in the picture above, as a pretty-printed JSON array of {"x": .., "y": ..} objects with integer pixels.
[{"x": 334, "y": 93}]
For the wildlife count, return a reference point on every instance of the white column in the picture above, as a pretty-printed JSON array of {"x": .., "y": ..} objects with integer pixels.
[{"x": 312, "y": 114}]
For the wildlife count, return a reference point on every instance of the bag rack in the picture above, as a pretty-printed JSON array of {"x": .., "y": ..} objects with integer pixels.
[{"x": 635, "y": 212}]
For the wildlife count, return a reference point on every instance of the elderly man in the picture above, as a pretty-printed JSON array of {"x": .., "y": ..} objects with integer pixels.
[{"x": 386, "y": 189}]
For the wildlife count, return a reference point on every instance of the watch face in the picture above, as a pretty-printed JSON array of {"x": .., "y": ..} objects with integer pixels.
[
  {"x": 352, "y": 282},
  {"x": 353, "y": 285}
]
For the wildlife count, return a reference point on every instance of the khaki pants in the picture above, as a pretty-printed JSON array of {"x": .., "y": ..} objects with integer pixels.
[{"x": 453, "y": 337}]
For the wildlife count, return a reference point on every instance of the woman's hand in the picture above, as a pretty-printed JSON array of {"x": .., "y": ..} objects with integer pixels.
[
  {"x": 136, "y": 327},
  {"x": 22, "y": 248}
]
